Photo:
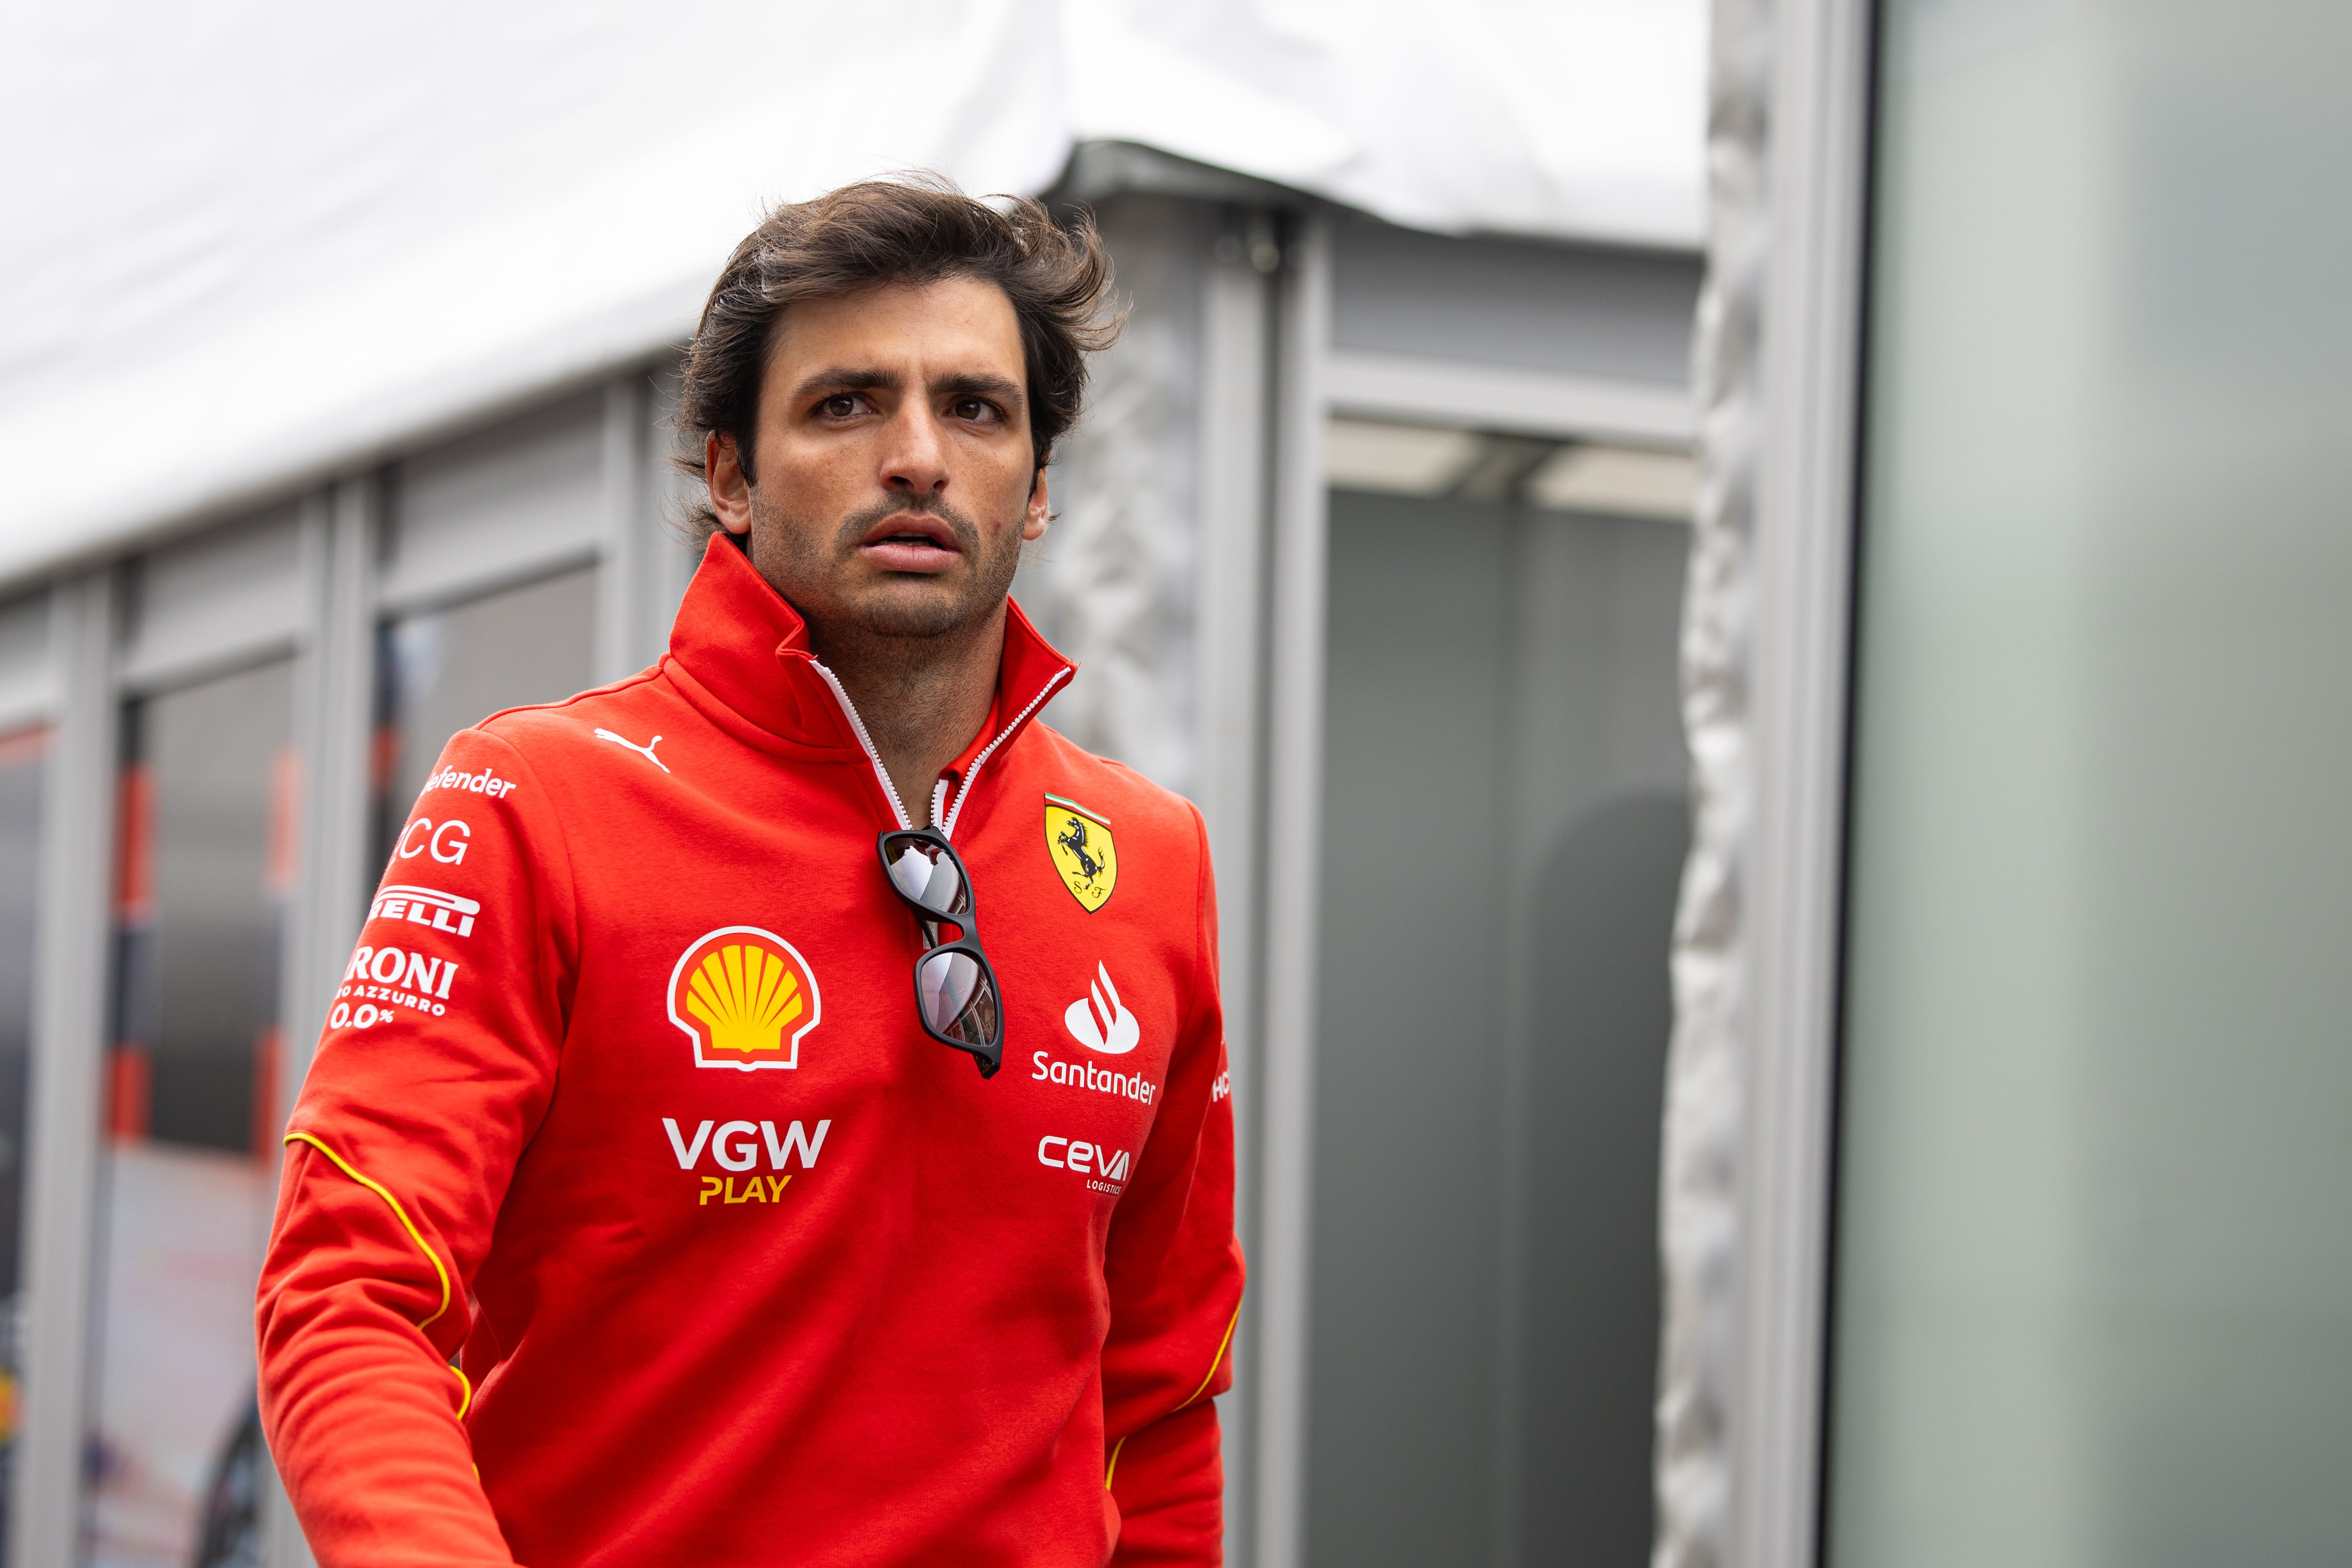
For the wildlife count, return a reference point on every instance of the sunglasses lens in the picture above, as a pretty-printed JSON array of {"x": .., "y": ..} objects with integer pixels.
[
  {"x": 926, "y": 873},
  {"x": 958, "y": 998}
]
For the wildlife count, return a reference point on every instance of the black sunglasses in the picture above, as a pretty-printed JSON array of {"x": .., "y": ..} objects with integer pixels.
[{"x": 956, "y": 999}]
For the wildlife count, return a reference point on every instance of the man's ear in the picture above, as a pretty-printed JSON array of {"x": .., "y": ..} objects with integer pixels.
[
  {"x": 1033, "y": 518},
  {"x": 730, "y": 488}
]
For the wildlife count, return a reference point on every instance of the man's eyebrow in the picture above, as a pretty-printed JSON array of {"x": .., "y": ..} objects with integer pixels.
[
  {"x": 977, "y": 384},
  {"x": 848, "y": 378},
  {"x": 968, "y": 383}
]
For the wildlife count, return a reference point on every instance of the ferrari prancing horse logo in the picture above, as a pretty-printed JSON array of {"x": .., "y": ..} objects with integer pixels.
[{"x": 1080, "y": 842}]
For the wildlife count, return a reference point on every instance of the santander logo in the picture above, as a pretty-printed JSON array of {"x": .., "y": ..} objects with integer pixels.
[{"x": 1100, "y": 1021}]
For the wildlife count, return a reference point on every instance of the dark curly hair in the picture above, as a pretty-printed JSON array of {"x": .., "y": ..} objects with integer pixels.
[{"x": 910, "y": 231}]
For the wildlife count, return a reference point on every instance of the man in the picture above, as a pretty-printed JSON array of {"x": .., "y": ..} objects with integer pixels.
[{"x": 649, "y": 1098}]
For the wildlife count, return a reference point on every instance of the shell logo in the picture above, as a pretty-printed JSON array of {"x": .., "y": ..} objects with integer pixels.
[{"x": 744, "y": 996}]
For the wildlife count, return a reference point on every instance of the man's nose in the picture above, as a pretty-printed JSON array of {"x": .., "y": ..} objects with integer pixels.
[{"x": 916, "y": 458}]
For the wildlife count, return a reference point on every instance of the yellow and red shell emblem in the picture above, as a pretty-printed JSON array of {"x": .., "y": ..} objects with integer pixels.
[{"x": 744, "y": 996}]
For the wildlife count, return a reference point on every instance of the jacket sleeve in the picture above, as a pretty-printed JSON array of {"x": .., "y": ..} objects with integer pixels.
[
  {"x": 1175, "y": 1277},
  {"x": 435, "y": 1068}
]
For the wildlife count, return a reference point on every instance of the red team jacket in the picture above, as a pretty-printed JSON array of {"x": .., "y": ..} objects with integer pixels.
[{"x": 622, "y": 1107}]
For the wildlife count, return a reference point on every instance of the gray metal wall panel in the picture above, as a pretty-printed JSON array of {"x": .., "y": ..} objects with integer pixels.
[
  {"x": 64, "y": 1088},
  {"x": 28, "y": 677},
  {"x": 1617, "y": 314},
  {"x": 503, "y": 503},
  {"x": 1506, "y": 820},
  {"x": 222, "y": 596}
]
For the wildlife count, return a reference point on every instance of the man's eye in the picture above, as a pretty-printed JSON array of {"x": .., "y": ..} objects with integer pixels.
[
  {"x": 840, "y": 405},
  {"x": 974, "y": 408}
]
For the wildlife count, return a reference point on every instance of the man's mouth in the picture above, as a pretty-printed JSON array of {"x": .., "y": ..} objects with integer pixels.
[{"x": 911, "y": 542}]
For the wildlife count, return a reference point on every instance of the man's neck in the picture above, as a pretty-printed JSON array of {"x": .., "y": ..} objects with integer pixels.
[{"x": 922, "y": 699}]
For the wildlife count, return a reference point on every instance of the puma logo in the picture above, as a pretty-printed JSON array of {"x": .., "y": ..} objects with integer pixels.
[{"x": 646, "y": 751}]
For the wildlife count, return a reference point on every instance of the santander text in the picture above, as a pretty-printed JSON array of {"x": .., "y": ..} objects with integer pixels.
[{"x": 1086, "y": 1075}]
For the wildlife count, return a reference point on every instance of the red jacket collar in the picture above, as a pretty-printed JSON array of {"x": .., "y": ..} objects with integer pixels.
[{"x": 741, "y": 645}]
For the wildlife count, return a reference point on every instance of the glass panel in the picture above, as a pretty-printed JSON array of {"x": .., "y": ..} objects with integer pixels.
[
  {"x": 205, "y": 866},
  {"x": 23, "y": 758},
  {"x": 1506, "y": 813},
  {"x": 439, "y": 671},
  {"x": 2094, "y": 1287}
]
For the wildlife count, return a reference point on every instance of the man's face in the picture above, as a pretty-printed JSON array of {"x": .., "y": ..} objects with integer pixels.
[{"x": 893, "y": 461}]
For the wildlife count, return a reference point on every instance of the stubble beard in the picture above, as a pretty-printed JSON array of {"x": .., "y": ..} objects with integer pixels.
[{"x": 811, "y": 565}]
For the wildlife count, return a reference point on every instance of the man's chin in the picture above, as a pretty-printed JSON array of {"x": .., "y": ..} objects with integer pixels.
[{"x": 915, "y": 606}]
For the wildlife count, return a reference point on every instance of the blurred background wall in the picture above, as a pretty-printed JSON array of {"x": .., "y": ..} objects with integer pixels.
[
  {"x": 336, "y": 357},
  {"x": 1948, "y": 995},
  {"x": 2008, "y": 1131}
]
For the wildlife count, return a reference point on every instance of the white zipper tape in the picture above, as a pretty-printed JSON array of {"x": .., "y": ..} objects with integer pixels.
[
  {"x": 867, "y": 741},
  {"x": 947, "y": 828}
]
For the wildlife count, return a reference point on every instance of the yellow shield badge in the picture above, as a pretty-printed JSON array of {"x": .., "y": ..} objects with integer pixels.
[{"x": 1080, "y": 844}]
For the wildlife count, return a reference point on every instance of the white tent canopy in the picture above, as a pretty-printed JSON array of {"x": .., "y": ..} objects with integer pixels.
[{"x": 250, "y": 243}]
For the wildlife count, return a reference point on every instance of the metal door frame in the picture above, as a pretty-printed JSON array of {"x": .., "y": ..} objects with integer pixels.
[{"x": 1747, "y": 1195}]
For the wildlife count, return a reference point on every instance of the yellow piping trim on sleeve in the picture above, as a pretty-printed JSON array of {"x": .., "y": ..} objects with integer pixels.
[
  {"x": 1214, "y": 1361},
  {"x": 406, "y": 1223},
  {"x": 465, "y": 1399}
]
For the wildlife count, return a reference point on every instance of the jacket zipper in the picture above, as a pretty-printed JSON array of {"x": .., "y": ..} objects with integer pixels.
[
  {"x": 946, "y": 825},
  {"x": 946, "y": 829},
  {"x": 867, "y": 741}
]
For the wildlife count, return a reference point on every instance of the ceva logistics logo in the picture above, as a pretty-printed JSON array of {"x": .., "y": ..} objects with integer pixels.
[{"x": 744, "y": 996}]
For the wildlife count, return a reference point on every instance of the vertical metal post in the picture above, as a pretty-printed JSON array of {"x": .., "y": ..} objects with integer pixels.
[
  {"x": 333, "y": 710},
  {"x": 1292, "y": 868},
  {"x": 1229, "y": 714},
  {"x": 1751, "y": 1072},
  {"x": 626, "y": 637},
  {"x": 669, "y": 496},
  {"x": 67, "y": 1072},
  {"x": 1810, "y": 375}
]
